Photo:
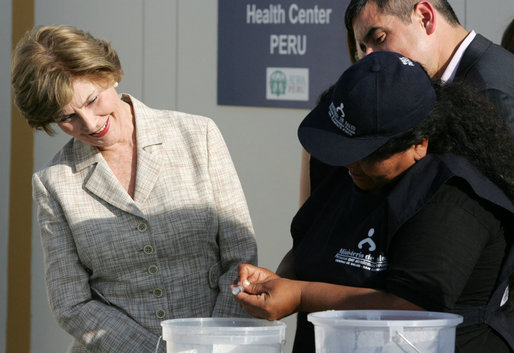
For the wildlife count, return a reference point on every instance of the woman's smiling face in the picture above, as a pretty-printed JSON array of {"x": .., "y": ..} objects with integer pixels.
[{"x": 93, "y": 115}]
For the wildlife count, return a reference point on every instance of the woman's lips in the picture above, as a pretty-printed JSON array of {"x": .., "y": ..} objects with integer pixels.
[
  {"x": 102, "y": 131},
  {"x": 355, "y": 175},
  {"x": 352, "y": 173}
]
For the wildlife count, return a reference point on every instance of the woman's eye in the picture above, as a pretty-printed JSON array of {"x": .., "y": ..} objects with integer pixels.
[
  {"x": 66, "y": 118},
  {"x": 92, "y": 100}
]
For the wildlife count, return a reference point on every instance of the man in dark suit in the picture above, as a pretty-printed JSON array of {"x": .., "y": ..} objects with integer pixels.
[{"x": 430, "y": 33}]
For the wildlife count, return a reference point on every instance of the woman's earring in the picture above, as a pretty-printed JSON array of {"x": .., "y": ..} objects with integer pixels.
[{"x": 115, "y": 84}]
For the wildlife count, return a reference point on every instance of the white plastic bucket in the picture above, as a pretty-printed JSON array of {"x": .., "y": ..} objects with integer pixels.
[
  {"x": 223, "y": 335},
  {"x": 384, "y": 331}
]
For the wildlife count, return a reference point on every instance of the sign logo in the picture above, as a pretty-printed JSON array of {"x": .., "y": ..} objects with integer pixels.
[
  {"x": 278, "y": 83},
  {"x": 287, "y": 83}
]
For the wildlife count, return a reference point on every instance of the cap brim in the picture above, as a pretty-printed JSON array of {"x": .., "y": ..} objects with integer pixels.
[
  {"x": 323, "y": 140},
  {"x": 337, "y": 150}
]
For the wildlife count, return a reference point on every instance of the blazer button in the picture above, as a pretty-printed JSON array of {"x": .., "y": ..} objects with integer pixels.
[
  {"x": 160, "y": 314},
  {"x": 213, "y": 277},
  {"x": 153, "y": 269},
  {"x": 142, "y": 227},
  {"x": 157, "y": 292},
  {"x": 148, "y": 249}
]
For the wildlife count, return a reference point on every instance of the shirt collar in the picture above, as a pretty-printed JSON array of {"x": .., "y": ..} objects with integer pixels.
[{"x": 451, "y": 69}]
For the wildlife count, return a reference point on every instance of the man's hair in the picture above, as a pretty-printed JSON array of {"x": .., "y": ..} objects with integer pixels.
[{"x": 399, "y": 8}]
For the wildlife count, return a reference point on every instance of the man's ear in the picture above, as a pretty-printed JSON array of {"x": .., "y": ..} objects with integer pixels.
[
  {"x": 425, "y": 13},
  {"x": 421, "y": 149}
]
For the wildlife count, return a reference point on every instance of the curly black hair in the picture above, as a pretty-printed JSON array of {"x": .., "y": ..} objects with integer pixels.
[{"x": 465, "y": 123}]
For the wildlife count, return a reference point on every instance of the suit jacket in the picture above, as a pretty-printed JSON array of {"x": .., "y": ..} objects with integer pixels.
[
  {"x": 490, "y": 68},
  {"x": 116, "y": 266}
]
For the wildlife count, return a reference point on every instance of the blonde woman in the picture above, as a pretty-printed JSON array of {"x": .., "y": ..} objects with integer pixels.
[{"x": 142, "y": 214}]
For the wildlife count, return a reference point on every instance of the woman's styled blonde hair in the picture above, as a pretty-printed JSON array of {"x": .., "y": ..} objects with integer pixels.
[{"x": 44, "y": 64}]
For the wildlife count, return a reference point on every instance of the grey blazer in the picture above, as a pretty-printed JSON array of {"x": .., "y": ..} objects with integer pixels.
[{"x": 116, "y": 266}]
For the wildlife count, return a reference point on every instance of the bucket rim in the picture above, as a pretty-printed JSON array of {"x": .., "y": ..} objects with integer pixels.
[
  {"x": 201, "y": 330},
  {"x": 259, "y": 324},
  {"x": 384, "y": 318}
]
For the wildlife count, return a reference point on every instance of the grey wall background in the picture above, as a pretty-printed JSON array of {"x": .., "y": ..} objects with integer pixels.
[{"x": 168, "y": 50}]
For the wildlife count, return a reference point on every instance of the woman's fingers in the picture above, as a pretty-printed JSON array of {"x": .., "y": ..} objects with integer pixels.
[
  {"x": 254, "y": 274},
  {"x": 270, "y": 300}
]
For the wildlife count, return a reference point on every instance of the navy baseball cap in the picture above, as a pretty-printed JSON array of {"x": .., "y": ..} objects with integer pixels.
[{"x": 379, "y": 97}]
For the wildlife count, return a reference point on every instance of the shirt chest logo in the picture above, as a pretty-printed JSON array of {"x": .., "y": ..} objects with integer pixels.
[{"x": 362, "y": 257}]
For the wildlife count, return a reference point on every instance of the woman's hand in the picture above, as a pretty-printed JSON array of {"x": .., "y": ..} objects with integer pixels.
[
  {"x": 271, "y": 297},
  {"x": 253, "y": 274},
  {"x": 266, "y": 295}
]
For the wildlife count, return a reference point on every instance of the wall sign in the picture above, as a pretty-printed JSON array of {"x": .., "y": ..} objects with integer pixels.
[{"x": 279, "y": 53}]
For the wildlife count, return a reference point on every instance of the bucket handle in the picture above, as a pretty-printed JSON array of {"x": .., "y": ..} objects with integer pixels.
[
  {"x": 409, "y": 343},
  {"x": 158, "y": 342}
]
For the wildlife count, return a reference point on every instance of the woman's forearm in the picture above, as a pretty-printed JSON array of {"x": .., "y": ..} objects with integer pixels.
[{"x": 317, "y": 296}]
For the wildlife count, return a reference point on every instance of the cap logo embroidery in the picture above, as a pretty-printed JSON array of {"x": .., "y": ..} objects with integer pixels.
[
  {"x": 406, "y": 61},
  {"x": 337, "y": 116}
]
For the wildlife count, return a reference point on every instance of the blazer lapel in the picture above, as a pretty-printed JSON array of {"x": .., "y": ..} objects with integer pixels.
[
  {"x": 149, "y": 142},
  {"x": 148, "y": 168},
  {"x": 101, "y": 180}
]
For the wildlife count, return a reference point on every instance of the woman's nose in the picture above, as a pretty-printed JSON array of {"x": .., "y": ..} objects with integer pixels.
[
  {"x": 89, "y": 121},
  {"x": 354, "y": 168},
  {"x": 351, "y": 166}
]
